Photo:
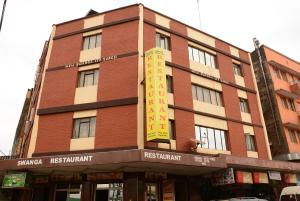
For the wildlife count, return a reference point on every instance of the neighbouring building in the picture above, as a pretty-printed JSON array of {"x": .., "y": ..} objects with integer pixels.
[
  {"x": 278, "y": 83},
  {"x": 130, "y": 104}
]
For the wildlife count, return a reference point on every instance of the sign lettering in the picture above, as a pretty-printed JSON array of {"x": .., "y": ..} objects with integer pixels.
[{"x": 156, "y": 96}]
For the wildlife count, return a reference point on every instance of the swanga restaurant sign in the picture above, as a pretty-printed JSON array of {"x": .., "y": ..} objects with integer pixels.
[{"x": 156, "y": 96}]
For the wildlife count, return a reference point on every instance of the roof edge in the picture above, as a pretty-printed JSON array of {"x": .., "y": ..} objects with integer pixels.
[{"x": 264, "y": 46}]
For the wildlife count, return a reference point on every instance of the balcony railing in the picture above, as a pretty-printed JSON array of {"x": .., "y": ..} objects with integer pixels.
[{"x": 295, "y": 87}]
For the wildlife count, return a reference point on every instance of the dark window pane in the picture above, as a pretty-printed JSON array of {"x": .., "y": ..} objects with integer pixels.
[
  {"x": 172, "y": 129},
  {"x": 60, "y": 195},
  {"x": 169, "y": 84}
]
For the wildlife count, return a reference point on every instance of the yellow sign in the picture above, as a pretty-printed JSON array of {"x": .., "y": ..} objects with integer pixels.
[{"x": 156, "y": 96}]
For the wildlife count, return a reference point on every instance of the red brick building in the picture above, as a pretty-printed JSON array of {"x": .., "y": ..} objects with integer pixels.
[
  {"x": 282, "y": 75},
  {"x": 85, "y": 137}
]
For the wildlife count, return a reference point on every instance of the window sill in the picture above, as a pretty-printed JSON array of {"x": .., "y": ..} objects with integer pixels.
[
  {"x": 252, "y": 154},
  {"x": 213, "y": 151}
]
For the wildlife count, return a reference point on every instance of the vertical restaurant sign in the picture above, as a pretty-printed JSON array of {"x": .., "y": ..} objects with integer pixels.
[{"x": 156, "y": 96}]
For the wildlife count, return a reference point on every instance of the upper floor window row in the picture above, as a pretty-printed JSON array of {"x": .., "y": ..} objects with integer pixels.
[
  {"x": 206, "y": 95},
  {"x": 90, "y": 42},
  {"x": 288, "y": 103},
  {"x": 202, "y": 57},
  {"x": 280, "y": 74}
]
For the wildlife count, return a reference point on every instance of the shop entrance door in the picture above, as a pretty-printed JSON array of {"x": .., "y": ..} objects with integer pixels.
[
  {"x": 151, "y": 192},
  {"x": 109, "y": 192},
  {"x": 102, "y": 195}
]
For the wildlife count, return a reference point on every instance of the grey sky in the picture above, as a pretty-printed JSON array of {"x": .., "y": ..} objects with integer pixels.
[{"x": 27, "y": 24}]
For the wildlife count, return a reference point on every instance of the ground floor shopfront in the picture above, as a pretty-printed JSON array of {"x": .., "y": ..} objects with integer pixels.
[{"x": 150, "y": 175}]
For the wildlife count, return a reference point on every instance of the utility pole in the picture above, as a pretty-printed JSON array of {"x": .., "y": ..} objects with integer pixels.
[
  {"x": 2, "y": 16},
  {"x": 198, "y": 2}
]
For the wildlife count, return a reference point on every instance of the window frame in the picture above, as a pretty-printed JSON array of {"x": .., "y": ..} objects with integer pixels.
[
  {"x": 237, "y": 69},
  {"x": 252, "y": 142},
  {"x": 167, "y": 41},
  {"x": 201, "y": 94},
  {"x": 172, "y": 134},
  {"x": 76, "y": 134},
  {"x": 222, "y": 135},
  {"x": 244, "y": 106},
  {"x": 97, "y": 43},
  {"x": 208, "y": 59},
  {"x": 82, "y": 77},
  {"x": 169, "y": 80}
]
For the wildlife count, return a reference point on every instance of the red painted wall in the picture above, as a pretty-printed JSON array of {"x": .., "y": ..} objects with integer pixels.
[{"x": 54, "y": 133}]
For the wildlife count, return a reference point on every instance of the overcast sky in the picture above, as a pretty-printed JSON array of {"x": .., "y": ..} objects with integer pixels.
[{"x": 27, "y": 24}]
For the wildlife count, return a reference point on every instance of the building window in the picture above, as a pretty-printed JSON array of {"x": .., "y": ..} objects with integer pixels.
[
  {"x": 207, "y": 95},
  {"x": 291, "y": 104},
  {"x": 90, "y": 42},
  {"x": 250, "y": 142},
  {"x": 84, "y": 127},
  {"x": 88, "y": 78},
  {"x": 172, "y": 129},
  {"x": 284, "y": 102},
  {"x": 65, "y": 192},
  {"x": 202, "y": 57},
  {"x": 244, "y": 105},
  {"x": 151, "y": 192},
  {"x": 169, "y": 84},
  {"x": 237, "y": 69},
  {"x": 163, "y": 41},
  {"x": 211, "y": 138},
  {"x": 283, "y": 75},
  {"x": 111, "y": 191},
  {"x": 277, "y": 73},
  {"x": 292, "y": 136}
]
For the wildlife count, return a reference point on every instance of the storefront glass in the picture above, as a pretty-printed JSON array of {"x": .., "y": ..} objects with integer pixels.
[
  {"x": 109, "y": 192},
  {"x": 68, "y": 192},
  {"x": 151, "y": 193}
]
